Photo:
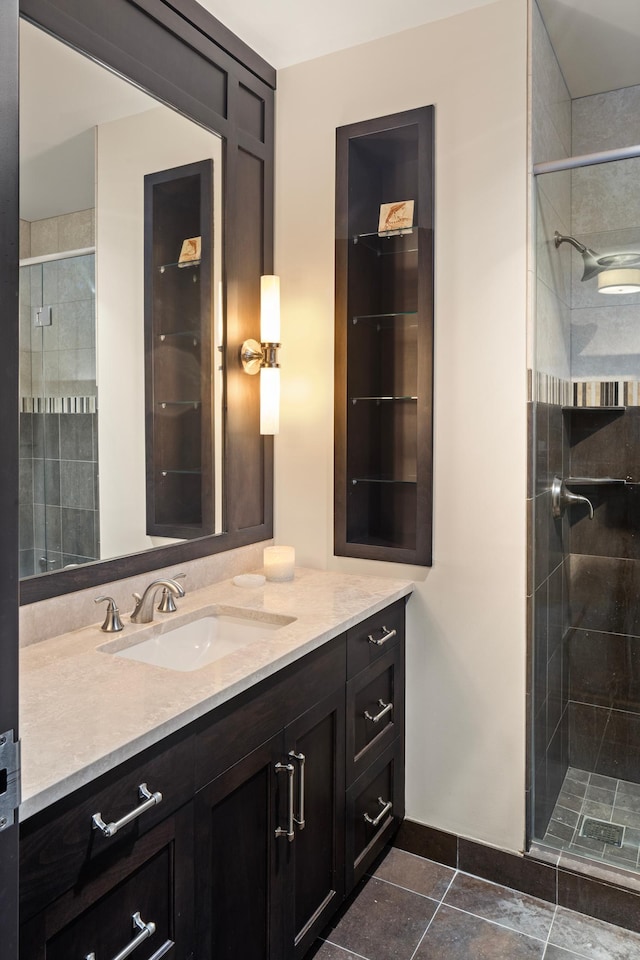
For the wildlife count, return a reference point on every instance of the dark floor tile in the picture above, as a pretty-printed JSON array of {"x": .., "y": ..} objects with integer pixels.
[
  {"x": 568, "y": 802},
  {"x": 578, "y": 776},
  {"x": 329, "y": 951},
  {"x": 559, "y": 831},
  {"x": 415, "y": 873},
  {"x": 599, "y": 795},
  {"x": 593, "y": 938},
  {"x": 625, "y": 817},
  {"x": 568, "y": 817},
  {"x": 556, "y": 953},
  {"x": 454, "y": 935},
  {"x": 384, "y": 922},
  {"x": 518, "y": 911},
  {"x": 630, "y": 790},
  {"x": 607, "y": 783},
  {"x": 598, "y": 811}
]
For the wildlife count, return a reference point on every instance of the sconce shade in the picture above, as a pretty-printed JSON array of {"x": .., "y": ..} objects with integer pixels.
[
  {"x": 619, "y": 281},
  {"x": 269, "y": 400},
  {"x": 270, "y": 309}
]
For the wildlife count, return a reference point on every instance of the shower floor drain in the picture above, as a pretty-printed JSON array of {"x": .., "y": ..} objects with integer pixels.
[{"x": 601, "y": 830}]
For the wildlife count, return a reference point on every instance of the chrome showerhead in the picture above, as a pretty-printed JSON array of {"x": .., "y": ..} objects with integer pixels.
[{"x": 616, "y": 272}]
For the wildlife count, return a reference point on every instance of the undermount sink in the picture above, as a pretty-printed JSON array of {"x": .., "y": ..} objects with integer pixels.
[{"x": 197, "y": 643}]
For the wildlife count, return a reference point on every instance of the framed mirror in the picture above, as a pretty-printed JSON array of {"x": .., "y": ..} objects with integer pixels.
[
  {"x": 110, "y": 464},
  {"x": 94, "y": 386}
]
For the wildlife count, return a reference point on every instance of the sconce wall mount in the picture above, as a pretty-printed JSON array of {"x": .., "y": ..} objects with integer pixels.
[
  {"x": 262, "y": 357},
  {"x": 255, "y": 356}
]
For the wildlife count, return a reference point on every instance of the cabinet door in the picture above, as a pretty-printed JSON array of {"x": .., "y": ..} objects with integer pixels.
[
  {"x": 140, "y": 899},
  {"x": 315, "y": 876},
  {"x": 239, "y": 859}
]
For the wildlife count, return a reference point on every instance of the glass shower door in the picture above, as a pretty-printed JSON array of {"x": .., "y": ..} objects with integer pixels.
[{"x": 59, "y": 507}]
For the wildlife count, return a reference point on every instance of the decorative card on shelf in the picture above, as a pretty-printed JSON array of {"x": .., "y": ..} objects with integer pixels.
[
  {"x": 191, "y": 252},
  {"x": 396, "y": 218}
]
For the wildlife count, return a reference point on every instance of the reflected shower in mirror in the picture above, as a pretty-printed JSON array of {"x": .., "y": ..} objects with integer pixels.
[{"x": 88, "y": 140}]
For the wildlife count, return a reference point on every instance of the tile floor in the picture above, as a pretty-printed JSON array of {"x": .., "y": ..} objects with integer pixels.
[
  {"x": 585, "y": 794},
  {"x": 415, "y": 909}
]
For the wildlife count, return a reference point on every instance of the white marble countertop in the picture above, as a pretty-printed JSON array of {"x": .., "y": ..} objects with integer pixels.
[{"x": 84, "y": 711}]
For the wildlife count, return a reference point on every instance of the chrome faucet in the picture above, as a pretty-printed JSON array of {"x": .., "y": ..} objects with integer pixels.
[{"x": 143, "y": 611}]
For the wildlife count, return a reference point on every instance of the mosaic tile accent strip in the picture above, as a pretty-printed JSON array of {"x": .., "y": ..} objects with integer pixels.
[
  {"x": 606, "y": 393},
  {"x": 58, "y": 405},
  {"x": 546, "y": 388}
]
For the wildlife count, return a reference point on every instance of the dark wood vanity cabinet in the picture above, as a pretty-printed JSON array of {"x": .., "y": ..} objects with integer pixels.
[
  {"x": 384, "y": 338},
  {"x": 271, "y": 841},
  {"x": 273, "y": 806},
  {"x": 143, "y": 891}
]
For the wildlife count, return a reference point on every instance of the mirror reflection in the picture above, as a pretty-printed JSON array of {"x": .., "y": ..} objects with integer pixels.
[{"x": 90, "y": 460}]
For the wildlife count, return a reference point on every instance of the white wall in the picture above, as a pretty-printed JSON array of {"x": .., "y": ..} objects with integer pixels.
[
  {"x": 466, "y": 620},
  {"x": 126, "y": 150}
]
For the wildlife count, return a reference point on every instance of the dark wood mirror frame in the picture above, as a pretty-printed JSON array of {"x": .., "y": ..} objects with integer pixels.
[{"x": 213, "y": 78}]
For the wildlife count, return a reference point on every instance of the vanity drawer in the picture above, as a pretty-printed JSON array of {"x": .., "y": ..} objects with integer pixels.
[
  {"x": 375, "y": 807},
  {"x": 60, "y": 845},
  {"x": 149, "y": 885},
  {"x": 375, "y": 710},
  {"x": 371, "y": 639}
]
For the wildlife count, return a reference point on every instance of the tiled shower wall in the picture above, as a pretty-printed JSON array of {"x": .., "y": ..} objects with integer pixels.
[
  {"x": 548, "y": 576},
  {"x": 604, "y": 643},
  {"x": 59, "y": 508}
]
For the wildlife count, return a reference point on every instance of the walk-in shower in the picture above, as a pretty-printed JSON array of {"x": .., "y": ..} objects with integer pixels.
[
  {"x": 585, "y": 453},
  {"x": 59, "y": 515}
]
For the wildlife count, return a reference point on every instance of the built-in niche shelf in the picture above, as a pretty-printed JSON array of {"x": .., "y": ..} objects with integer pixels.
[
  {"x": 178, "y": 353},
  {"x": 598, "y": 409},
  {"x": 384, "y": 341}
]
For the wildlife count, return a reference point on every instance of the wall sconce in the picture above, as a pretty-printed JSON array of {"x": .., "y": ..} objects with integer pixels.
[
  {"x": 616, "y": 272},
  {"x": 262, "y": 357}
]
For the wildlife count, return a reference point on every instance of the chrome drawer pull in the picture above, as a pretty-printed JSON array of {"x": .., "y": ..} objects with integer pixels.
[
  {"x": 146, "y": 930},
  {"x": 110, "y": 829},
  {"x": 386, "y": 808},
  {"x": 386, "y": 708},
  {"x": 386, "y": 635},
  {"x": 289, "y": 769},
  {"x": 300, "y": 757}
]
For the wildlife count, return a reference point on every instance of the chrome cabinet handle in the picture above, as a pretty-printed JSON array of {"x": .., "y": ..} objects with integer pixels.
[
  {"x": 110, "y": 829},
  {"x": 289, "y": 769},
  {"x": 146, "y": 930},
  {"x": 300, "y": 757},
  {"x": 386, "y": 635},
  {"x": 386, "y": 808},
  {"x": 386, "y": 708}
]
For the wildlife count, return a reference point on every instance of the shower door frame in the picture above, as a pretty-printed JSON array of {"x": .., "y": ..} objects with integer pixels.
[{"x": 9, "y": 584}]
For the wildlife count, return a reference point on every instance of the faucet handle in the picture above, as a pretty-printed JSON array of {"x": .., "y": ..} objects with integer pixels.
[
  {"x": 112, "y": 622},
  {"x": 167, "y": 603}
]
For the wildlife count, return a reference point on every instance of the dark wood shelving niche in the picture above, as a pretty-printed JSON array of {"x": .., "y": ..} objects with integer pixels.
[
  {"x": 384, "y": 342},
  {"x": 178, "y": 352}
]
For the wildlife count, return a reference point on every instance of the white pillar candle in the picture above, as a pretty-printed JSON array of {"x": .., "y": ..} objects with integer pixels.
[{"x": 279, "y": 562}]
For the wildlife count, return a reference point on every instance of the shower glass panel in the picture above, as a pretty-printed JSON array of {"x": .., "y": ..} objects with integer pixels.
[
  {"x": 59, "y": 506},
  {"x": 585, "y": 424}
]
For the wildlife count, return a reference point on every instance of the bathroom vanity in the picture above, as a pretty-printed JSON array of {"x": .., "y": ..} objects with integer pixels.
[{"x": 219, "y": 812}]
